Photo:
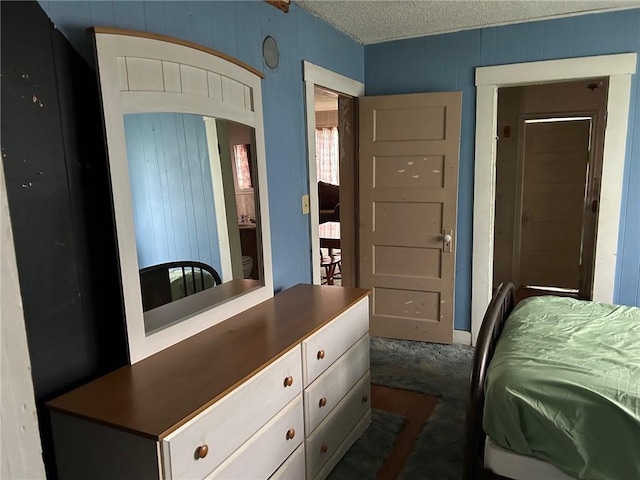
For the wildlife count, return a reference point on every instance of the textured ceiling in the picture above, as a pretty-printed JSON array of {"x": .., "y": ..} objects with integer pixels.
[{"x": 375, "y": 21}]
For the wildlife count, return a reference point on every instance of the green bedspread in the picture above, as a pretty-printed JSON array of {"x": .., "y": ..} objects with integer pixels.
[{"x": 564, "y": 386}]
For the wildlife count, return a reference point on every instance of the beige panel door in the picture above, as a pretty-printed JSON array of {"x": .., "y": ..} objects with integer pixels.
[
  {"x": 555, "y": 172},
  {"x": 408, "y": 170}
]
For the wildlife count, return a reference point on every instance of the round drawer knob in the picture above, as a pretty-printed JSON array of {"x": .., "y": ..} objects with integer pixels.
[
  {"x": 324, "y": 448},
  {"x": 202, "y": 451},
  {"x": 288, "y": 381},
  {"x": 320, "y": 354},
  {"x": 291, "y": 433},
  {"x": 365, "y": 399},
  {"x": 323, "y": 402}
]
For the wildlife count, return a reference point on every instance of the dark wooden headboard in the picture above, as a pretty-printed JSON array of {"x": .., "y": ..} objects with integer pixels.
[{"x": 500, "y": 307}]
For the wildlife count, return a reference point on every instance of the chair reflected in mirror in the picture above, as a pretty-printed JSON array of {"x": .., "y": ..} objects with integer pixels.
[{"x": 166, "y": 282}]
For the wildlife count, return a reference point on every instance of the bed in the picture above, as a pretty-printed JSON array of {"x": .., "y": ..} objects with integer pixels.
[{"x": 554, "y": 391}]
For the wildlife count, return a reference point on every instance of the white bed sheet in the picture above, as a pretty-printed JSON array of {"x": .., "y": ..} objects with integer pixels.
[{"x": 519, "y": 467}]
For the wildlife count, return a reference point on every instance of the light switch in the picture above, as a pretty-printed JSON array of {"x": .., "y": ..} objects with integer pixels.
[{"x": 305, "y": 204}]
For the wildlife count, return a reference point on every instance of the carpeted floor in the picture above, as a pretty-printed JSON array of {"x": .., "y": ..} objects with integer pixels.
[
  {"x": 440, "y": 371},
  {"x": 367, "y": 455}
]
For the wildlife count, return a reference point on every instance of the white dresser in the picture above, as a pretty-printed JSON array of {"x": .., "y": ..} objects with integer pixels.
[{"x": 280, "y": 391}]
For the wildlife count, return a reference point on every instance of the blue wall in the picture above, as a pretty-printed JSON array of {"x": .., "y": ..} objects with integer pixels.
[
  {"x": 237, "y": 29},
  {"x": 427, "y": 64},
  {"x": 447, "y": 62},
  {"x": 171, "y": 189}
]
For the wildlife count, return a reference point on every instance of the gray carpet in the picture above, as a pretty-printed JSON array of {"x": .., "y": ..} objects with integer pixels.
[
  {"x": 365, "y": 457},
  {"x": 439, "y": 370}
]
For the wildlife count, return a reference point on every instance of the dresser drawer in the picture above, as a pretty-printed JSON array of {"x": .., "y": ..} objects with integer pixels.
[
  {"x": 323, "y": 395},
  {"x": 332, "y": 431},
  {"x": 361, "y": 426},
  {"x": 263, "y": 453},
  {"x": 227, "y": 424},
  {"x": 327, "y": 345},
  {"x": 293, "y": 468}
]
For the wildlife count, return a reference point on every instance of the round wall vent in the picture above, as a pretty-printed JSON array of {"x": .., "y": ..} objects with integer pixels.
[{"x": 270, "y": 52}]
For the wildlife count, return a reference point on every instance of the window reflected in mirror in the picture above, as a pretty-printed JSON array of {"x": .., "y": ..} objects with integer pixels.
[
  {"x": 194, "y": 206},
  {"x": 242, "y": 166}
]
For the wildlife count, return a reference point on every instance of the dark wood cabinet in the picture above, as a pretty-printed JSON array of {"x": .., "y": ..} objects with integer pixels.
[{"x": 54, "y": 161}]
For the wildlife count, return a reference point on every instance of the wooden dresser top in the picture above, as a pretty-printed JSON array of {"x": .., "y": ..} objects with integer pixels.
[{"x": 157, "y": 395}]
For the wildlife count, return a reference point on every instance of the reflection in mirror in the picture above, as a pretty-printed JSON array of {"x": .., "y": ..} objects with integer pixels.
[
  {"x": 194, "y": 209},
  {"x": 242, "y": 166},
  {"x": 182, "y": 121}
]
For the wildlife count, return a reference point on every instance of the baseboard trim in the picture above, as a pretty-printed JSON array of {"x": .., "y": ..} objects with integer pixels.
[{"x": 462, "y": 337}]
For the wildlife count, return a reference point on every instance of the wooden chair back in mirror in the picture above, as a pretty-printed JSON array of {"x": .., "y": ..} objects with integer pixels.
[{"x": 166, "y": 282}]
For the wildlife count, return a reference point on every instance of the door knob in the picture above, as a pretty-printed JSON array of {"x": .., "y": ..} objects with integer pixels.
[{"x": 446, "y": 237}]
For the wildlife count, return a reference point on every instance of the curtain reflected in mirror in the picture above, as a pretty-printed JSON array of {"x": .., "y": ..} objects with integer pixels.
[
  {"x": 194, "y": 204},
  {"x": 241, "y": 155}
]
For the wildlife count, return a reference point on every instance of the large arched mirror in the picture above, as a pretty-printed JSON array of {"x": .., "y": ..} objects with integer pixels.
[{"x": 185, "y": 141}]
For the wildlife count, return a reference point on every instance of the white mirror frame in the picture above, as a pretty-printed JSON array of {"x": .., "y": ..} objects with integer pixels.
[{"x": 141, "y": 73}]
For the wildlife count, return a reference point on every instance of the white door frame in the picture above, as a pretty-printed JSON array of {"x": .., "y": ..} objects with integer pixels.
[
  {"x": 619, "y": 69},
  {"x": 315, "y": 75}
]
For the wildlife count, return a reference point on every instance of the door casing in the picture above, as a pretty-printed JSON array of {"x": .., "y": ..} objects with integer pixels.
[
  {"x": 315, "y": 75},
  {"x": 618, "y": 68}
]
